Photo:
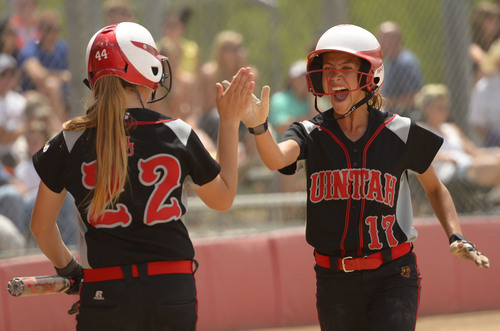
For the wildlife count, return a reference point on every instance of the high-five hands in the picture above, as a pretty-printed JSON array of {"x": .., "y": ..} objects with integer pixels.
[
  {"x": 233, "y": 102},
  {"x": 258, "y": 111}
]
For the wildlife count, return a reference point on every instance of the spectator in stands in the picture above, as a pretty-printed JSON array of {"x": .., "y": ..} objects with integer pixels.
[
  {"x": 25, "y": 22},
  {"x": 174, "y": 31},
  {"x": 12, "y": 242},
  {"x": 485, "y": 29},
  {"x": 45, "y": 64},
  {"x": 117, "y": 11},
  {"x": 37, "y": 134},
  {"x": 18, "y": 179},
  {"x": 484, "y": 109},
  {"x": 180, "y": 101},
  {"x": 403, "y": 76},
  {"x": 459, "y": 158},
  {"x": 12, "y": 109},
  {"x": 39, "y": 109},
  {"x": 8, "y": 38},
  {"x": 11, "y": 200},
  {"x": 294, "y": 102},
  {"x": 229, "y": 55}
]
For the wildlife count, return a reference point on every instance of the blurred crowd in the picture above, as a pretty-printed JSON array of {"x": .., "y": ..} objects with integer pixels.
[{"x": 34, "y": 98}]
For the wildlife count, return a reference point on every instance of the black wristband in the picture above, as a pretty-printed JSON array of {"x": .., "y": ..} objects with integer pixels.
[
  {"x": 259, "y": 129},
  {"x": 454, "y": 237}
]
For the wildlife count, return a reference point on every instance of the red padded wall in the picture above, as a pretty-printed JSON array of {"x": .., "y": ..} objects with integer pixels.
[{"x": 267, "y": 280}]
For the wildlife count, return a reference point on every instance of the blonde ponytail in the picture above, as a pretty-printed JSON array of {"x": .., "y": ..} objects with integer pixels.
[{"x": 106, "y": 113}]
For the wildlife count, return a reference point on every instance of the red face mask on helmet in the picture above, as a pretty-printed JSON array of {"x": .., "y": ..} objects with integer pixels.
[
  {"x": 126, "y": 50},
  {"x": 350, "y": 39}
]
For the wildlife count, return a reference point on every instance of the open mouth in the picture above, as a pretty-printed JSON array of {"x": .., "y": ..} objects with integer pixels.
[{"x": 341, "y": 93}]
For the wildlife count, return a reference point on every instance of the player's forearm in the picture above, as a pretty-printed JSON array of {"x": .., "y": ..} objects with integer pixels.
[
  {"x": 270, "y": 152},
  {"x": 227, "y": 156},
  {"x": 50, "y": 242},
  {"x": 444, "y": 208},
  {"x": 44, "y": 225}
]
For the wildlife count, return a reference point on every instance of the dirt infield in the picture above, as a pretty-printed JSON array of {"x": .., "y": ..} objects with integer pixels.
[{"x": 475, "y": 321}]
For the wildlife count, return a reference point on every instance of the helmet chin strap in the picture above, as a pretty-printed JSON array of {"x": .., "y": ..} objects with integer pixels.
[
  {"x": 139, "y": 96},
  {"x": 353, "y": 108},
  {"x": 368, "y": 96}
]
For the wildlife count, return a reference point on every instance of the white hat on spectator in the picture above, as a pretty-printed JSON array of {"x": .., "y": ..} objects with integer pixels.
[
  {"x": 297, "y": 69},
  {"x": 7, "y": 62}
]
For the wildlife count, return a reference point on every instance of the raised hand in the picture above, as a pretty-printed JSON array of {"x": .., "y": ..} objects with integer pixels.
[
  {"x": 233, "y": 102},
  {"x": 258, "y": 110}
]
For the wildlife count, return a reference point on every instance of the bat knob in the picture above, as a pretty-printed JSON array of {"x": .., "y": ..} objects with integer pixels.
[{"x": 16, "y": 287}]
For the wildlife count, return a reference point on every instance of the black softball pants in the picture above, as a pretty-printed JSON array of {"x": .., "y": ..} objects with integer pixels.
[
  {"x": 144, "y": 303},
  {"x": 383, "y": 299}
]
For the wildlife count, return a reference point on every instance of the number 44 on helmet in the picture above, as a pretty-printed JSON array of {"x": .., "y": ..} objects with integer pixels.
[{"x": 127, "y": 50}]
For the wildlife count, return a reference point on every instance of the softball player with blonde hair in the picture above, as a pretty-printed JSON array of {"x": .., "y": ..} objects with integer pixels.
[{"x": 126, "y": 166}]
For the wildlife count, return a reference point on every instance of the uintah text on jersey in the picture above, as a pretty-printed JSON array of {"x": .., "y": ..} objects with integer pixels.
[{"x": 355, "y": 183}]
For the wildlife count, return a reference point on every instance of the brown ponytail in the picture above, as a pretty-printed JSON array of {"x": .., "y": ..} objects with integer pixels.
[{"x": 376, "y": 101}]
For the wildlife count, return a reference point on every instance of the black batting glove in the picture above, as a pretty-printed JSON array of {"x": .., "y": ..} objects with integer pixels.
[
  {"x": 74, "y": 271},
  {"x": 463, "y": 248}
]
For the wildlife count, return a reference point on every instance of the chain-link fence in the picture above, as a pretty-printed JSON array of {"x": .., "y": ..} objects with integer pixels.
[{"x": 275, "y": 33}]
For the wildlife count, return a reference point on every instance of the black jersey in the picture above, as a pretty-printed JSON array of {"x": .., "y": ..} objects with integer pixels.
[
  {"x": 358, "y": 193},
  {"x": 146, "y": 223}
]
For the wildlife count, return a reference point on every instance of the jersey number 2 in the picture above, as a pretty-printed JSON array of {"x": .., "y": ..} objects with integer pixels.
[{"x": 162, "y": 171}]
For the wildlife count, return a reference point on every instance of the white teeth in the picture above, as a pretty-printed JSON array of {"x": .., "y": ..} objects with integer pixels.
[{"x": 339, "y": 88}]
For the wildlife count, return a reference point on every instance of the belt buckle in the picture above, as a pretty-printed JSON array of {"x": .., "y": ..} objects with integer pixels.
[{"x": 343, "y": 263}]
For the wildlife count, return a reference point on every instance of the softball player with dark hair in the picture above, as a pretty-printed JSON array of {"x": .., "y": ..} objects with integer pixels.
[
  {"x": 359, "y": 216},
  {"x": 126, "y": 167}
]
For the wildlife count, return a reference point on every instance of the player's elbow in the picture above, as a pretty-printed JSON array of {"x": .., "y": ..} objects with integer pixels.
[
  {"x": 269, "y": 165},
  {"x": 220, "y": 200},
  {"x": 272, "y": 165},
  {"x": 221, "y": 204},
  {"x": 222, "y": 208}
]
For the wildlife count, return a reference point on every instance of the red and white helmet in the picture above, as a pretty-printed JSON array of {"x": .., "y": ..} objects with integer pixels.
[
  {"x": 353, "y": 40},
  {"x": 126, "y": 50}
]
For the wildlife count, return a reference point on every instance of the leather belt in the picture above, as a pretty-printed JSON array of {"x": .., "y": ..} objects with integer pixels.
[
  {"x": 369, "y": 262},
  {"x": 154, "y": 268}
]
